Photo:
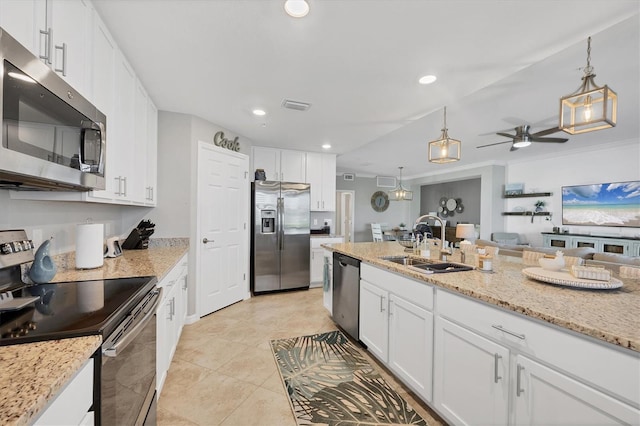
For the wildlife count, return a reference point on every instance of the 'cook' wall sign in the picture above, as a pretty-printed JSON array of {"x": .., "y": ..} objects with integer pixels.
[{"x": 221, "y": 141}]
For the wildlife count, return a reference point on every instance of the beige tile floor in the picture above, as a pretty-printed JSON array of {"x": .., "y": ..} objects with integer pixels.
[{"x": 223, "y": 372}]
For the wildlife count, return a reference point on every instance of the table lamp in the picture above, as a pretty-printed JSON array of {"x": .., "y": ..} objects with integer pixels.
[{"x": 465, "y": 231}]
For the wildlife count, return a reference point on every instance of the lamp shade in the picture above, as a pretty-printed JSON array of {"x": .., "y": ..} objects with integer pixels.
[{"x": 466, "y": 231}]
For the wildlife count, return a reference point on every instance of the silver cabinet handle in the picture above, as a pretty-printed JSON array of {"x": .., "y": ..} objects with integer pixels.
[
  {"x": 62, "y": 70},
  {"x": 381, "y": 303},
  {"x": 184, "y": 283},
  {"x": 207, "y": 241},
  {"x": 390, "y": 305},
  {"x": 48, "y": 34},
  {"x": 512, "y": 333},
  {"x": 519, "y": 390},
  {"x": 496, "y": 360},
  {"x": 152, "y": 194},
  {"x": 125, "y": 186},
  {"x": 117, "y": 191}
]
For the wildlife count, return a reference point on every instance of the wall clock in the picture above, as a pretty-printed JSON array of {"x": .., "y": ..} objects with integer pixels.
[{"x": 379, "y": 201}]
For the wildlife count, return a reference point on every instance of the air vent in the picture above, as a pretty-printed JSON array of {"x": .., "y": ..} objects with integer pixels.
[
  {"x": 386, "y": 182},
  {"x": 298, "y": 106}
]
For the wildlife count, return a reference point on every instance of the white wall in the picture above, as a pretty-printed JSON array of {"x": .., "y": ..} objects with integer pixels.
[{"x": 607, "y": 164}]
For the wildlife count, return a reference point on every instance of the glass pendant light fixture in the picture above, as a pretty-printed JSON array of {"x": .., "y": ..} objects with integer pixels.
[
  {"x": 444, "y": 149},
  {"x": 590, "y": 107},
  {"x": 399, "y": 193}
]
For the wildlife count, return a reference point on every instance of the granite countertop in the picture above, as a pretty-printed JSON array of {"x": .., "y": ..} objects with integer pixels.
[
  {"x": 33, "y": 373},
  {"x": 326, "y": 236},
  {"x": 609, "y": 315}
]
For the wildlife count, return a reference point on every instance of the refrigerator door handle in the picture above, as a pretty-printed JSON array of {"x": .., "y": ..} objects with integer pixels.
[{"x": 281, "y": 223}]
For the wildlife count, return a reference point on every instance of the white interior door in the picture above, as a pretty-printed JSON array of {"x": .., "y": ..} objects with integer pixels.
[
  {"x": 345, "y": 211},
  {"x": 222, "y": 233}
]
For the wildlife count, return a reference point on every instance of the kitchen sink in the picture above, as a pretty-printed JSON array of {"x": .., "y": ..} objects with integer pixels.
[
  {"x": 440, "y": 268},
  {"x": 405, "y": 260}
]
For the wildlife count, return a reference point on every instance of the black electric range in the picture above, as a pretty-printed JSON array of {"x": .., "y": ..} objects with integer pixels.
[{"x": 72, "y": 309}]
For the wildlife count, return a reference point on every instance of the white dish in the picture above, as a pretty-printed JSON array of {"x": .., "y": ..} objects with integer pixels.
[{"x": 566, "y": 279}]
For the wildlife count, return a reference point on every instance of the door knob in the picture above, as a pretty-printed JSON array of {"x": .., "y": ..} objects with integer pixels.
[{"x": 205, "y": 241}]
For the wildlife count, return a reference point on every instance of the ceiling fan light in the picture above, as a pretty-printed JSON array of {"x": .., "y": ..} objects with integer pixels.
[
  {"x": 590, "y": 107},
  {"x": 296, "y": 8},
  {"x": 521, "y": 143}
]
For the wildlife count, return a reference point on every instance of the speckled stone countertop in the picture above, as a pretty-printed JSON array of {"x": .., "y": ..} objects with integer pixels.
[
  {"x": 609, "y": 315},
  {"x": 31, "y": 374}
]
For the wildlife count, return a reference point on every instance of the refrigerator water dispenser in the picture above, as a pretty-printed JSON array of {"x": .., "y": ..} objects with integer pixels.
[{"x": 268, "y": 219}]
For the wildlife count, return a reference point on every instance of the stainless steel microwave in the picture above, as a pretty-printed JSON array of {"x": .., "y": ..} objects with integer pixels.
[{"x": 52, "y": 138}]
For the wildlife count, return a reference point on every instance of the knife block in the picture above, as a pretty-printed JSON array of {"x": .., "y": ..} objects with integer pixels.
[{"x": 136, "y": 241}]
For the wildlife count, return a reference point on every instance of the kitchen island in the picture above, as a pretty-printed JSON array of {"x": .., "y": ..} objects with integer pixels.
[
  {"x": 497, "y": 347},
  {"x": 34, "y": 373}
]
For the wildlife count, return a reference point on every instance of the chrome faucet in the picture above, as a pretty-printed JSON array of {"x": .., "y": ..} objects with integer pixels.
[{"x": 443, "y": 251}]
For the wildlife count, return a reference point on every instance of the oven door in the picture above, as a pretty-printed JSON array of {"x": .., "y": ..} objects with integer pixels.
[{"x": 128, "y": 373}]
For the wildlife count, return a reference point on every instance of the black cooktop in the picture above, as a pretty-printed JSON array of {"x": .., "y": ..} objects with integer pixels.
[{"x": 72, "y": 309}]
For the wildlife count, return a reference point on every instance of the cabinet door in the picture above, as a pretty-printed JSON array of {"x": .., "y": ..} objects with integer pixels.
[
  {"x": 292, "y": 166},
  {"x": 267, "y": 159},
  {"x": 471, "y": 376},
  {"x": 23, "y": 20},
  {"x": 374, "y": 322},
  {"x": 314, "y": 178},
  {"x": 151, "y": 190},
  {"x": 122, "y": 126},
  {"x": 317, "y": 265},
  {"x": 411, "y": 345},
  {"x": 544, "y": 397},
  {"x": 328, "y": 182},
  {"x": 327, "y": 292},
  {"x": 70, "y": 22},
  {"x": 138, "y": 174},
  {"x": 163, "y": 321}
]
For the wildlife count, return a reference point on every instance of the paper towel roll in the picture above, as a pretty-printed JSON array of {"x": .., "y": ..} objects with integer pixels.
[{"x": 89, "y": 248}]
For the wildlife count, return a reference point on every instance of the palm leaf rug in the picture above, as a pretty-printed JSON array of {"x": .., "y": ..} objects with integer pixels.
[{"x": 329, "y": 382}]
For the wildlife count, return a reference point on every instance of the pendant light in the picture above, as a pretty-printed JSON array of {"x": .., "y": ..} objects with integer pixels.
[
  {"x": 590, "y": 107},
  {"x": 399, "y": 193},
  {"x": 445, "y": 149}
]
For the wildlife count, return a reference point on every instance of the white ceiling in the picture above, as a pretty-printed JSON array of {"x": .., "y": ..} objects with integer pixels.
[{"x": 499, "y": 64}]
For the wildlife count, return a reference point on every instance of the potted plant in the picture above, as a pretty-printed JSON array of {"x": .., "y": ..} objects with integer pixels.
[
  {"x": 402, "y": 226},
  {"x": 539, "y": 206}
]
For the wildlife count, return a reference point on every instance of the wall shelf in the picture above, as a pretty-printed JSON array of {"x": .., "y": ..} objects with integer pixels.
[{"x": 532, "y": 194}]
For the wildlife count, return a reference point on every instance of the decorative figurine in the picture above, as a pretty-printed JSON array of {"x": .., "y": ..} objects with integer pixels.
[{"x": 43, "y": 269}]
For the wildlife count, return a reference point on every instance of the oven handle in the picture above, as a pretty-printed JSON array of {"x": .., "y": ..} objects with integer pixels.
[{"x": 114, "y": 350}]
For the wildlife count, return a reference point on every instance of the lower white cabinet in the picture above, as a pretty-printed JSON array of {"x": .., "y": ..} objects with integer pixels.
[
  {"x": 495, "y": 367},
  {"x": 397, "y": 326},
  {"x": 171, "y": 315},
  {"x": 316, "y": 262},
  {"x": 72, "y": 405},
  {"x": 471, "y": 376},
  {"x": 327, "y": 287}
]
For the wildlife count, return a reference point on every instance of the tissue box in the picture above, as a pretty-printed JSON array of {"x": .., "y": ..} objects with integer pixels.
[{"x": 590, "y": 273}]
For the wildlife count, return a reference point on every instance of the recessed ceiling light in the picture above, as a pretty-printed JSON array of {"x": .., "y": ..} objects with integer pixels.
[
  {"x": 326, "y": 146},
  {"x": 427, "y": 79},
  {"x": 296, "y": 8},
  {"x": 258, "y": 112}
]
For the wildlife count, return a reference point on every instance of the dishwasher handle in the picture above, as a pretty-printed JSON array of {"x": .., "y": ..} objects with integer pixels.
[{"x": 345, "y": 261}]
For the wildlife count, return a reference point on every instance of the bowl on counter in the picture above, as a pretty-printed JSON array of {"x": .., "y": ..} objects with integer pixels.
[{"x": 551, "y": 264}]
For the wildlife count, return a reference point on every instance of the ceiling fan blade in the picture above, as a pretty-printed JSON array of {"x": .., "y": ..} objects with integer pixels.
[
  {"x": 545, "y": 132},
  {"x": 506, "y": 135},
  {"x": 513, "y": 148},
  {"x": 555, "y": 140},
  {"x": 492, "y": 144}
]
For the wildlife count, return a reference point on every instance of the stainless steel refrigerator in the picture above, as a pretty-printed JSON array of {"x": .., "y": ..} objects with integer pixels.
[{"x": 280, "y": 242}]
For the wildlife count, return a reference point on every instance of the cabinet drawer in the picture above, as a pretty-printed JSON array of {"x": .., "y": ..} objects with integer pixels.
[
  {"x": 615, "y": 370},
  {"x": 417, "y": 292}
]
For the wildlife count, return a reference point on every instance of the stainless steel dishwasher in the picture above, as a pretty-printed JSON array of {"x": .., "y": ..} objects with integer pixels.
[{"x": 346, "y": 293}]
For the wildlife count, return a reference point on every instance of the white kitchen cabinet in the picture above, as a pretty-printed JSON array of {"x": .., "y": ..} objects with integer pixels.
[
  {"x": 316, "y": 267},
  {"x": 56, "y": 31},
  {"x": 492, "y": 366},
  {"x": 471, "y": 376},
  {"x": 280, "y": 164},
  {"x": 138, "y": 172},
  {"x": 396, "y": 324},
  {"x": 151, "y": 193},
  {"x": 544, "y": 396},
  {"x": 170, "y": 318},
  {"x": 72, "y": 404},
  {"x": 321, "y": 175}
]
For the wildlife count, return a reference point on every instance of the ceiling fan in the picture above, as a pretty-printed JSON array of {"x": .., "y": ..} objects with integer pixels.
[{"x": 524, "y": 138}]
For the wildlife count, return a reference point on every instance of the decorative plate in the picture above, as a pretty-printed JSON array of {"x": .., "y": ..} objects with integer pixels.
[
  {"x": 440, "y": 209},
  {"x": 452, "y": 204},
  {"x": 460, "y": 208},
  {"x": 564, "y": 278},
  {"x": 443, "y": 201},
  {"x": 445, "y": 212}
]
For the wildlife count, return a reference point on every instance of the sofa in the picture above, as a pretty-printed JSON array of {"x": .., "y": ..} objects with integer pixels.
[{"x": 611, "y": 261}]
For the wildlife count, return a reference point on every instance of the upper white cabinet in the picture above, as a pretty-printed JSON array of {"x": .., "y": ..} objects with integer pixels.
[
  {"x": 56, "y": 31},
  {"x": 280, "y": 164},
  {"x": 321, "y": 175},
  {"x": 98, "y": 69}
]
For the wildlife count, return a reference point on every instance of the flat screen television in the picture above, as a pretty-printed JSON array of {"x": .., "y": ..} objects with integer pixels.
[{"x": 604, "y": 204}]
